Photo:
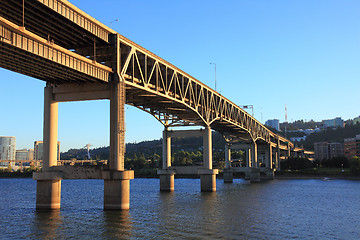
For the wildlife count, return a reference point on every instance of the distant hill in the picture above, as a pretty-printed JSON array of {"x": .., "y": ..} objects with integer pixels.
[
  {"x": 331, "y": 135},
  {"x": 149, "y": 148}
]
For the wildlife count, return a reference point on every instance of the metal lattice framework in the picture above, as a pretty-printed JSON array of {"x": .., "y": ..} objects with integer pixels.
[
  {"x": 166, "y": 91},
  {"x": 62, "y": 44}
]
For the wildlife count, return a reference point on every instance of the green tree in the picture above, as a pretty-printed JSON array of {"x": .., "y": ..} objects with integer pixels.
[
  {"x": 355, "y": 165},
  {"x": 295, "y": 163}
]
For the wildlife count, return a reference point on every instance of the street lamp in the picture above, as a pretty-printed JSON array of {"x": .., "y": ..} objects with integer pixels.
[
  {"x": 116, "y": 20},
  {"x": 215, "y": 74}
]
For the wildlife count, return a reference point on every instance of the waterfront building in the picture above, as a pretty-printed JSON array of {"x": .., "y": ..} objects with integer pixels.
[
  {"x": 352, "y": 147},
  {"x": 274, "y": 123},
  {"x": 24, "y": 154},
  {"x": 336, "y": 122},
  {"x": 325, "y": 150},
  {"x": 38, "y": 150},
  {"x": 7, "y": 150}
]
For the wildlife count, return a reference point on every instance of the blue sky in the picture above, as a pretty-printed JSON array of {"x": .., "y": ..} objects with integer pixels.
[{"x": 269, "y": 53}]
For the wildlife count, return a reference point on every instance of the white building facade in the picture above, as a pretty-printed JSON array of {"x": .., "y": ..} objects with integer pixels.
[{"x": 7, "y": 149}]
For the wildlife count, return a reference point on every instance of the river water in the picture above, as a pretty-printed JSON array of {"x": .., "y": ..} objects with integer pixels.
[{"x": 279, "y": 209}]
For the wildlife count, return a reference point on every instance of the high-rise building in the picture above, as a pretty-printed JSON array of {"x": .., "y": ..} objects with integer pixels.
[
  {"x": 325, "y": 150},
  {"x": 274, "y": 123},
  {"x": 7, "y": 150},
  {"x": 352, "y": 147},
  {"x": 39, "y": 149}
]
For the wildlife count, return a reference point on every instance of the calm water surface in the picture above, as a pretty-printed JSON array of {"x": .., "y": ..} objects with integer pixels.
[{"x": 279, "y": 209}]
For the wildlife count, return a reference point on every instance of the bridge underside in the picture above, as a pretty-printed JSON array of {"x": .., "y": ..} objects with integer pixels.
[
  {"x": 17, "y": 60},
  {"x": 64, "y": 31}
]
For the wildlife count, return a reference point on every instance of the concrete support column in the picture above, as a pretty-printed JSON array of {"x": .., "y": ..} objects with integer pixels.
[
  {"x": 228, "y": 175},
  {"x": 166, "y": 147},
  {"x": 167, "y": 182},
  {"x": 248, "y": 157},
  {"x": 166, "y": 174},
  {"x": 254, "y": 171},
  {"x": 48, "y": 190},
  {"x": 207, "y": 174},
  {"x": 288, "y": 151},
  {"x": 269, "y": 156},
  {"x": 207, "y": 142},
  {"x": 269, "y": 171},
  {"x": 48, "y": 194},
  {"x": 117, "y": 189},
  {"x": 254, "y": 156},
  {"x": 117, "y": 126},
  {"x": 254, "y": 175},
  {"x": 227, "y": 156},
  {"x": 50, "y": 129},
  {"x": 277, "y": 155}
]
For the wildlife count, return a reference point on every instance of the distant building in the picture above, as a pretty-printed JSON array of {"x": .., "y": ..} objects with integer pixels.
[
  {"x": 352, "y": 147},
  {"x": 24, "y": 154},
  {"x": 274, "y": 123},
  {"x": 7, "y": 150},
  {"x": 297, "y": 139},
  {"x": 310, "y": 131},
  {"x": 325, "y": 150},
  {"x": 39, "y": 150},
  {"x": 336, "y": 122},
  {"x": 356, "y": 120}
]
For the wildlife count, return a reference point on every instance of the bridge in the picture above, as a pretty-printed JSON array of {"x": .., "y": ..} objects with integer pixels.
[{"x": 80, "y": 59}]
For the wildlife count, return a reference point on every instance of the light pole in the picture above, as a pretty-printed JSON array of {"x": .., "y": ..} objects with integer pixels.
[
  {"x": 116, "y": 20},
  {"x": 215, "y": 74}
]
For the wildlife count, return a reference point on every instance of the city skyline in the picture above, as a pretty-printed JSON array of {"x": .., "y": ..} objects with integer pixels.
[{"x": 268, "y": 54}]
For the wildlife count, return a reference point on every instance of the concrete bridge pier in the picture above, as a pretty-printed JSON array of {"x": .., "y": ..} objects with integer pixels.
[
  {"x": 117, "y": 180},
  {"x": 269, "y": 171},
  {"x": 228, "y": 175},
  {"x": 207, "y": 174},
  {"x": 166, "y": 174},
  {"x": 248, "y": 162},
  {"x": 254, "y": 172},
  {"x": 48, "y": 189}
]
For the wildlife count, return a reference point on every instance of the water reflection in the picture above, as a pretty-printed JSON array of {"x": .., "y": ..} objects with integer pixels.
[
  {"x": 118, "y": 225},
  {"x": 47, "y": 224},
  {"x": 279, "y": 209}
]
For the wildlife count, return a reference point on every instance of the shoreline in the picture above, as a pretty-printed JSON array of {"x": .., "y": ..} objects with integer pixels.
[{"x": 279, "y": 177}]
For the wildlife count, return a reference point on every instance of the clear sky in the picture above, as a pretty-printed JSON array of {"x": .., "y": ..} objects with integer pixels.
[{"x": 302, "y": 53}]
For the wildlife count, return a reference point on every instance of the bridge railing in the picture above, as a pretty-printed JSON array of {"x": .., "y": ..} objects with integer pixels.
[
  {"x": 79, "y": 17},
  {"x": 31, "y": 43}
]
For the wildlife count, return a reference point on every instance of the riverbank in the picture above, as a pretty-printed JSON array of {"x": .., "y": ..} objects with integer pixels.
[{"x": 151, "y": 173}]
